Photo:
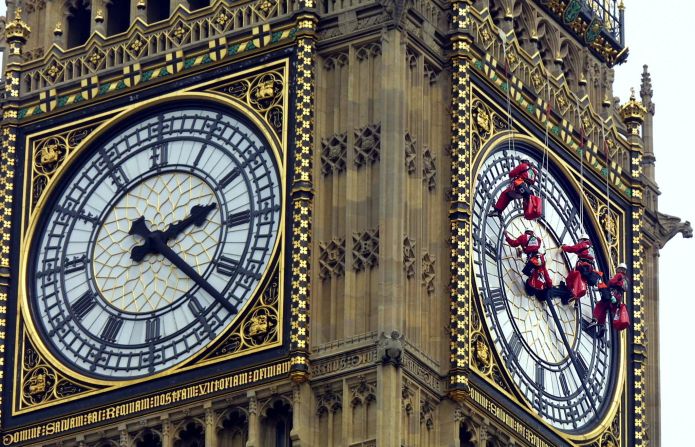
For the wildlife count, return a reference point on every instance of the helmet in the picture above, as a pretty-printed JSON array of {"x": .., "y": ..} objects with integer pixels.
[
  {"x": 528, "y": 230},
  {"x": 623, "y": 266},
  {"x": 583, "y": 236}
]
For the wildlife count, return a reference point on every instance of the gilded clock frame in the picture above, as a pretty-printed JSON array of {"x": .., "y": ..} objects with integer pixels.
[
  {"x": 208, "y": 91},
  {"x": 571, "y": 174}
]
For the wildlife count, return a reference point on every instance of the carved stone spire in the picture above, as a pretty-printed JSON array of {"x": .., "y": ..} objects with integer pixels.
[{"x": 646, "y": 92}]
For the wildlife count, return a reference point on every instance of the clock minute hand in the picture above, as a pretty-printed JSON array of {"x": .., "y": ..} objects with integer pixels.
[
  {"x": 570, "y": 351},
  {"x": 166, "y": 251}
]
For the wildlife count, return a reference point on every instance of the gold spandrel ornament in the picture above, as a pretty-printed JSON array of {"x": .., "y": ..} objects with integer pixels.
[
  {"x": 40, "y": 382},
  {"x": 259, "y": 327},
  {"x": 264, "y": 92},
  {"x": 49, "y": 154}
]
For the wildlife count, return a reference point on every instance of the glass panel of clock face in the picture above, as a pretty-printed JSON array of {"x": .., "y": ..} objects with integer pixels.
[
  {"x": 108, "y": 299},
  {"x": 568, "y": 385}
]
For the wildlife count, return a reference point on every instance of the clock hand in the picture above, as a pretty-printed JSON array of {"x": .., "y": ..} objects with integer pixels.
[
  {"x": 155, "y": 243},
  {"x": 199, "y": 215},
  {"x": 570, "y": 351},
  {"x": 175, "y": 259}
]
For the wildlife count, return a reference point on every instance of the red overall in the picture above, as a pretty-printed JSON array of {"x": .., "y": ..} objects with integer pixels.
[
  {"x": 520, "y": 178},
  {"x": 585, "y": 263},
  {"x": 539, "y": 278},
  {"x": 530, "y": 244},
  {"x": 617, "y": 286}
]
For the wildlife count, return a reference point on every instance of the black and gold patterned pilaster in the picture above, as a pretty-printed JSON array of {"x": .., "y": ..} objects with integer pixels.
[
  {"x": 16, "y": 33},
  {"x": 302, "y": 192},
  {"x": 459, "y": 214},
  {"x": 633, "y": 114}
]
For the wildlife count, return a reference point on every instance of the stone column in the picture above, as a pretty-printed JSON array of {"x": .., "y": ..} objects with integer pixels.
[
  {"x": 167, "y": 436},
  {"x": 209, "y": 425},
  {"x": 254, "y": 421},
  {"x": 100, "y": 14}
]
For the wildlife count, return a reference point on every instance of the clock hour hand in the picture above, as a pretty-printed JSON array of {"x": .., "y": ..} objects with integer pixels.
[{"x": 199, "y": 215}]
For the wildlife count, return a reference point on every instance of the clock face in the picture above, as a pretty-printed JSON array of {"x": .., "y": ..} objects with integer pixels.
[
  {"x": 154, "y": 241},
  {"x": 559, "y": 365}
]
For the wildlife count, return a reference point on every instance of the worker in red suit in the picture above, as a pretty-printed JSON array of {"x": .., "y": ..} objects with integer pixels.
[
  {"x": 520, "y": 180},
  {"x": 530, "y": 244},
  {"x": 611, "y": 297},
  {"x": 586, "y": 264},
  {"x": 538, "y": 281}
]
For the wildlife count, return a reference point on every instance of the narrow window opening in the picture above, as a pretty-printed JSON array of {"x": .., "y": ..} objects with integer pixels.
[
  {"x": 118, "y": 19},
  {"x": 197, "y": 4},
  {"x": 79, "y": 15},
  {"x": 157, "y": 10}
]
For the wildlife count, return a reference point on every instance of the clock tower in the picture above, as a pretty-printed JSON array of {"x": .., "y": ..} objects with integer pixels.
[{"x": 270, "y": 223}]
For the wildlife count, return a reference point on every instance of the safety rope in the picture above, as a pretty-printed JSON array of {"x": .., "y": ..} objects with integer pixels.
[
  {"x": 609, "y": 236},
  {"x": 545, "y": 163},
  {"x": 507, "y": 72}
]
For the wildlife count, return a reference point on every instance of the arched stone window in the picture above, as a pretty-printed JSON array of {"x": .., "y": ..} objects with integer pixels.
[
  {"x": 190, "y": 433},
  {"x": 233, "y": 428},
  {"x": 277, "y": 425}
]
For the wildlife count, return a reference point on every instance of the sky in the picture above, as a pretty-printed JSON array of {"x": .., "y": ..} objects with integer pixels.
[{"x": 656, "y": 36}]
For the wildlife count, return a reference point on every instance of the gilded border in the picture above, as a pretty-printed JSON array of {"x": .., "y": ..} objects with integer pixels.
[
  {"x": 302, "y": 195},
  {"x": 459, "y": 213}
]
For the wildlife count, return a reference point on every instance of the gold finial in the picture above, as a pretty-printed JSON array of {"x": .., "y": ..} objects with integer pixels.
[
  {"x": 58, "y": 30},
  {"x": 99, "y": 16},
  {"x": 621, "y": 6},
  {"x": 141, "y": 4},
  {"x": 17, "y": 30},
  {"x": 633, "y": 112}
]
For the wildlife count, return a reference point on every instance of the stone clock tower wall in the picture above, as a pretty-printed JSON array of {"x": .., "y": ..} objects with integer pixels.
[{"x": 367, "y": 328}]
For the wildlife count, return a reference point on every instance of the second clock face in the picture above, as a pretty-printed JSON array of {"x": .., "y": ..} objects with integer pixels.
[
  {"x": 155, "y": 242},
  {"x": 557, "y": 362}
]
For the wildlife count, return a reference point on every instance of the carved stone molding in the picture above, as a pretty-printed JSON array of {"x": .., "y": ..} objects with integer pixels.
[
  {"x": 669, "y": 226},
  {"x": 409, "y": 257},
  {"x": 427, "y": 414},
  {"x": 429, "y": 169},
  {"x": 328, "y": 402},
  {"x": 410, "y": 154},
  {"x": 368, "y": 51},
  {"x": 363, "y": 392},
  {"x": 428, "y": 272},
  {"x": 390, "y": 348},
  {"x": 332, "y": 258},
  {"x": 367, "y": 144},
  {"x": 365, "y": 250},
  {"x": 333, "y": 154}
]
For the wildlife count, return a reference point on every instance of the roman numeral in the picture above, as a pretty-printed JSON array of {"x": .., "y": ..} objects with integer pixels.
[
  {"x": 152, "y": 330},
  {"x": 195, "y": 306},
  {"x": 229, "y": 178},
  {"x": 582, "y": 369},
  {"x": 497, "y": 299},
  {"x": 83, "y": 305},
  {"x": 227, "y": 266},
  {"x": 563, "y": 385},
  {"x": 160, "y": 155},
  {"x": 515, "y": 346},
  {"x": 540, "y": 377},
  {"x": 75, "y": 264},
  {"x": 113, "y": 326},
  {"x": 240, "y": 218}
]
